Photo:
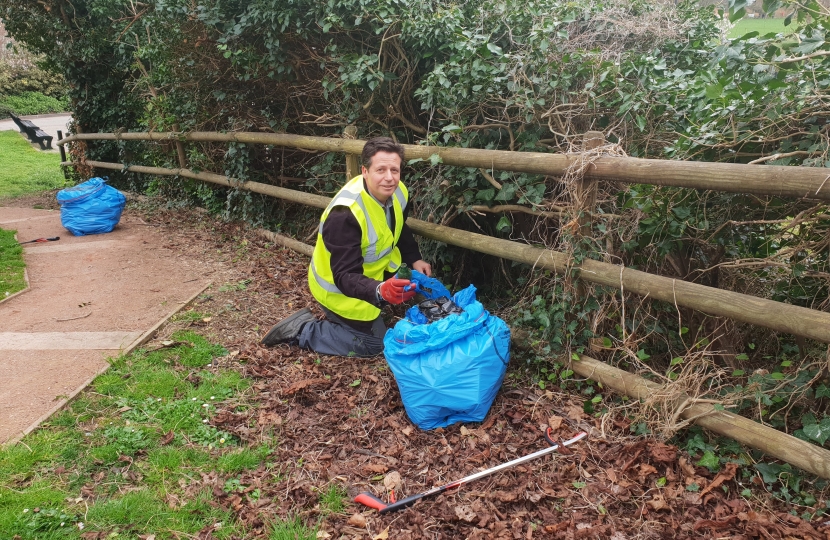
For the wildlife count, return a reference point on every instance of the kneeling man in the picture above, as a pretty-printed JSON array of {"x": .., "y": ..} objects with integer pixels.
[{"x": 361, "y": 242}]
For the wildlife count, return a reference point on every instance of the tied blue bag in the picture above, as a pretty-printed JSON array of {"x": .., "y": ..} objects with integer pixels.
[
  {"x": 449, "y": 370},
  {"x": 91, "y": 207}
]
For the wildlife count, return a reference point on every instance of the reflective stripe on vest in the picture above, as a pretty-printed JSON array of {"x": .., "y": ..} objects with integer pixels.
[
  {"x": 329, "y": 287},
  {"x": 371, "y": 232}
]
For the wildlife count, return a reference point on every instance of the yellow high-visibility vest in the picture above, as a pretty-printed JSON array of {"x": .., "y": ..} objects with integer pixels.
[{"x": 378, "y": 246}]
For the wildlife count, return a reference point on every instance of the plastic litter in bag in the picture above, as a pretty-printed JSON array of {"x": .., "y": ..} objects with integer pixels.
[
  {"x": 434, "y": 310},
  {"x": 429, "y": 287},
  {"x": 449, "y": 370},
  {"x": 91, "y": 207}
]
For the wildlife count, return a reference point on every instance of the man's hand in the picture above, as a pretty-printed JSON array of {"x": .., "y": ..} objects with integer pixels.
[
  {"x": 392, "y": 290},
  {"x": 423, "y": 267}
]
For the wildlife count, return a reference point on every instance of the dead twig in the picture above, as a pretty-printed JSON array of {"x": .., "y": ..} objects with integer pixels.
[{"x": 74, "y": 318}]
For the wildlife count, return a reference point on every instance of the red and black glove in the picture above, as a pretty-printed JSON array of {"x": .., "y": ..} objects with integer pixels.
[{"x": 393, "y": 290}]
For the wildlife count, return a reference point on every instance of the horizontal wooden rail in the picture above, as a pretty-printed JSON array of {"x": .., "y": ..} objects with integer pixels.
[
  {"x": 806, "y": 182},
  {"x": 806, "y": 456},
  {"x": 740, "y": 307}
]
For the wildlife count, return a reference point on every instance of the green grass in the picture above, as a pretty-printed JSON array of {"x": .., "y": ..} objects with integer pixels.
[
  {"x": 11, "y": 265},
  {"x": 292, "y": 530},
  {"x": 26, "y": 170},
  {"x": 67, "y": 478},
  {"x": 331, "y": 500},
  {"x": 762, "y": 26}
]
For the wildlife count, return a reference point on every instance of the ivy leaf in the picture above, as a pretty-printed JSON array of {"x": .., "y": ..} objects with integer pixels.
[
  {"x": 506, "y": 193},
  {"x": 811, "y": 43},
  {"x": 770, "y": 472},
  {"x": 714, "y": 91},
  {"x": 682, "y": 212},
  {"x": 486, "y": 194},
  {"x": 771, "y": 5},
  {"x": 504, "y": 224},
  {"x": 709, "y": 460},
  {"x": 818, "y": 432},
  {"x": 495, "y": 49},
  {"x": 737, "y": 9}
]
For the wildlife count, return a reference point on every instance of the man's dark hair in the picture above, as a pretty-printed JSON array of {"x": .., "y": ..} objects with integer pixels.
[{"x": 380, "y": 144}]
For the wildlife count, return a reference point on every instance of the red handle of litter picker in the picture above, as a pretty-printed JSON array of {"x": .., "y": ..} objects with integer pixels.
[
  {"x": 38, "y": 240},
  {"x": 563, "y": 449},
  {"x": 367, "y": 499}
]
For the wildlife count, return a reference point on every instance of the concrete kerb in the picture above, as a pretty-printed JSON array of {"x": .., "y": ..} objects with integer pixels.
[{"x": 141, "y": 340}]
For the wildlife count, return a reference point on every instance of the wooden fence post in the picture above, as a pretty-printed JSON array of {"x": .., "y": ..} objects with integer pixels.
[
  {"x": 586, "y": 189},
  {"x": 180, "y": 149},
  {"x": 62, "y": 149},
  {"x": 352, "y": 161},
  {"x": 586, "y": 199}
]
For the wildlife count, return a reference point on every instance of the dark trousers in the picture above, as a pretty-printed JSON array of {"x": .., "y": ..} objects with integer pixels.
[{"x": 335, "y": 337}]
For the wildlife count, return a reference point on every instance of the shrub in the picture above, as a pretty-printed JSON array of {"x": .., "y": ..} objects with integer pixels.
[
  {"x": 31, "y": 103},
  {"x": 17, "y": 79}
]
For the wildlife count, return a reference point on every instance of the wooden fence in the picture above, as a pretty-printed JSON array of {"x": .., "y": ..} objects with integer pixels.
[{"x": 764, "y": 180}]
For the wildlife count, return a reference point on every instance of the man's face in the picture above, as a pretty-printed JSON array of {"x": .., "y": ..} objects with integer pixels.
[{"x": 383, "y": 176}]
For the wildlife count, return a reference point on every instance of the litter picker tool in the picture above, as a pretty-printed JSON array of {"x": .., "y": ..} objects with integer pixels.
[
  {"x": 54, "y": 238},
  {"x": 371, "y": 501}
]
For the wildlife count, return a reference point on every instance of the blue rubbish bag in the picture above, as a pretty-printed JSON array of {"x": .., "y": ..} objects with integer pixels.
[
  {"x": 449, "y": 370},
  {"x": 92, "y": 207}
]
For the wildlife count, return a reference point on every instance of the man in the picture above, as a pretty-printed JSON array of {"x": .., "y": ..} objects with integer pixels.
[{"x": 361, "y": 242}]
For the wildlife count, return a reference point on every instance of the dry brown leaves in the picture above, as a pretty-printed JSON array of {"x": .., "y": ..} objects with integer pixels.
[{"x": 359, "y": 438}]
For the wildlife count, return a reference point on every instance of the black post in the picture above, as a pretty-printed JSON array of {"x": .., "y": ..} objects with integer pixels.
[{"x": 63, "y": 155}]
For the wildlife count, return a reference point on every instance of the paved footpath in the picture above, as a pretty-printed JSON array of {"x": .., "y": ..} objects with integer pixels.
[{"x": 89, "y": 298}]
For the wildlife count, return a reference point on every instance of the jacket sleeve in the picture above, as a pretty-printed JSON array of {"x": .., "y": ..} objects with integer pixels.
[
  {"x": 407, "y": 244},
  {"x": 341, "y": 236}
]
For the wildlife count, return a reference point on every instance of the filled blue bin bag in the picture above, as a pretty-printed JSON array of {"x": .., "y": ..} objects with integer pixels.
[
  {"x": 450, "y": 370},
  {"x": 92, "y": 207}
]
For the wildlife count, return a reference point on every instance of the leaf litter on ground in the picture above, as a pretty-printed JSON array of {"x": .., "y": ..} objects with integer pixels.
[{"x": 330, "y": 432}]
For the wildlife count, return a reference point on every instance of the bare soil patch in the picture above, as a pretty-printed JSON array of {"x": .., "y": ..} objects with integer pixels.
[{"x": 340, "y": 422}]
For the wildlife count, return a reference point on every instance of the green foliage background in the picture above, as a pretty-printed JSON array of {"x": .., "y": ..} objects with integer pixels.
[
  {"x": 26, "y": 85},
  {"x": 659, "y": 79}
]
